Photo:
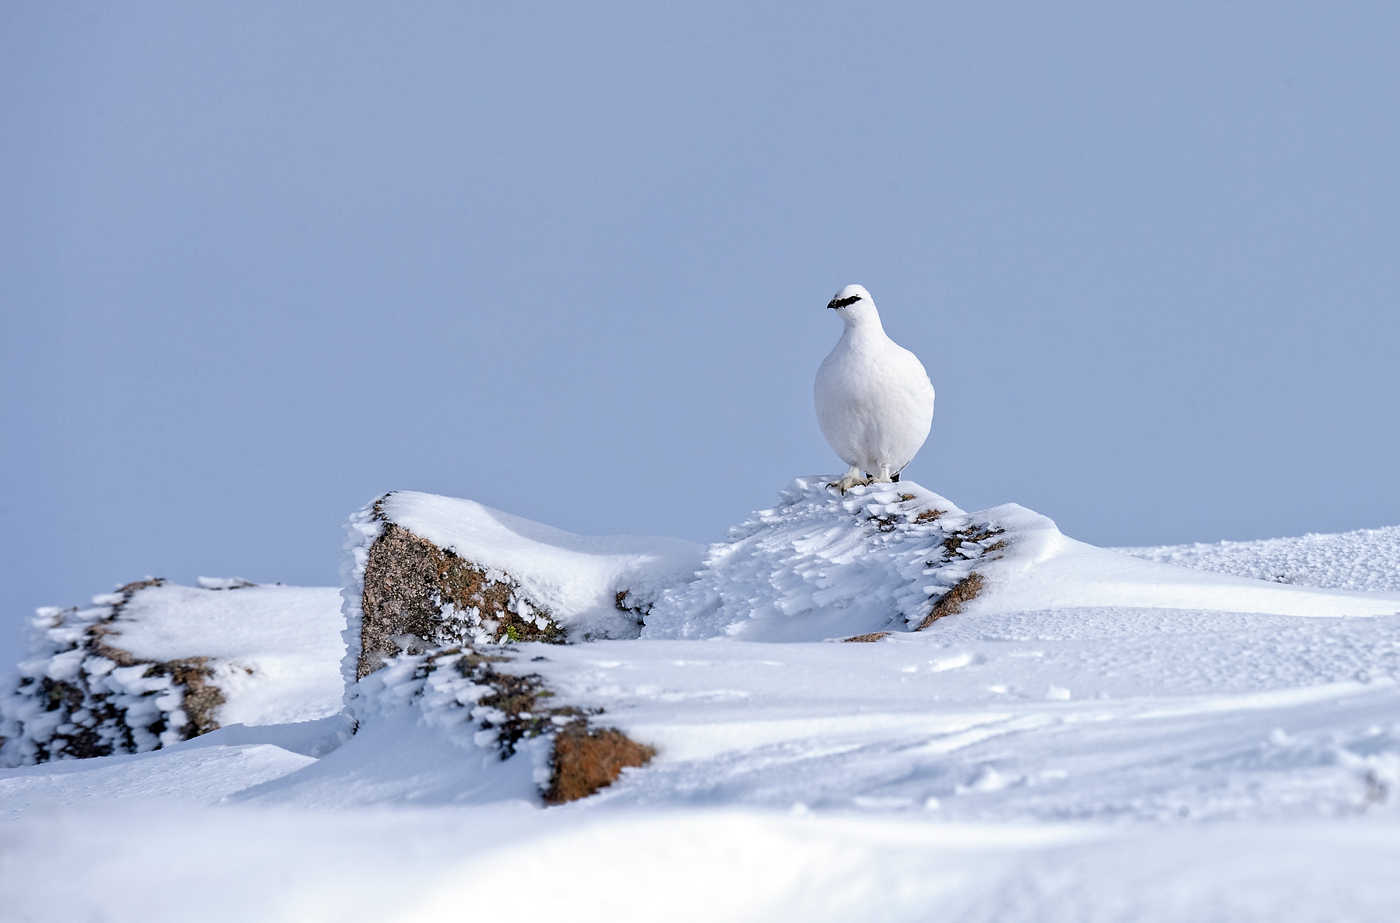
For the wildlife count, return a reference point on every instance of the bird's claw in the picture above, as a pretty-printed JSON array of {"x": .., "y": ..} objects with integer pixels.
[{"x": 852, "y": 478}]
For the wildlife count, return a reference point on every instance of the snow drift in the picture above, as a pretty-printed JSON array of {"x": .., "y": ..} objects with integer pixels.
[{"x": 823, "y": 564}]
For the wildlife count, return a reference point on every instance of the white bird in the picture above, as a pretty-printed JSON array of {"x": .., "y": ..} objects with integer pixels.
[{"x": 874, "y": 399}]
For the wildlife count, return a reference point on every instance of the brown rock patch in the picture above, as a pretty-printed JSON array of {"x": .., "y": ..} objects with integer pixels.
[
  {"x": 586, "y": 760},
  {"x": 951, "y": 602}
]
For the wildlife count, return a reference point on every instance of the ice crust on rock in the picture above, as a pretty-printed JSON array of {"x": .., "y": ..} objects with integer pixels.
[
  {"x": 157, "y": 663},
  {"x": 452, "y": 693}
]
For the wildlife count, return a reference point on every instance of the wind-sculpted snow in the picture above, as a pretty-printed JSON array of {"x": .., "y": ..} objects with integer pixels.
[
  {"x": 823, "y": 564},
  {"x": 1367, "y": 559}
]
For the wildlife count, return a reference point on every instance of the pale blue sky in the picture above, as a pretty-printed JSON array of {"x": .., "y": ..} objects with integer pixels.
[{"x": 262, "y": 261}]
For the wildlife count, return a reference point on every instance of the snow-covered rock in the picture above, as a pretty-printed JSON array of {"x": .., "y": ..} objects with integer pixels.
[
  {"x": 435, "y": 586},
  {"x": 424, "y": 572},
  {"x": 823, "y": 564},
  {"x": 155, "y": 664},
  {"x": 886, "y": 557}
]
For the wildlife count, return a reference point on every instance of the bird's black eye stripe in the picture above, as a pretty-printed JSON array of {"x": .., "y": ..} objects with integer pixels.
[{"x": 842, "y": 302}]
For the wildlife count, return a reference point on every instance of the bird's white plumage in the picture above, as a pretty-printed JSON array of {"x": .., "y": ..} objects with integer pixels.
[{"x": 874, "y": 399}]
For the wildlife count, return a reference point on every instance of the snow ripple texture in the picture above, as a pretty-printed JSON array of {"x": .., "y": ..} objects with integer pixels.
[
  {"x": 1367, "y": 559},
  {"x": 823, "y": 565}
]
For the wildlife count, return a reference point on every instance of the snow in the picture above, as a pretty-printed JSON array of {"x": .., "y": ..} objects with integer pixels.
[
  {"x": 1094, "y": 737},
  {"x": 275, "y": 647},
  {"x": 1367, "y": 559},
  {"x": 202, "y": 776},
  {"x": 1052, "y": 571}
]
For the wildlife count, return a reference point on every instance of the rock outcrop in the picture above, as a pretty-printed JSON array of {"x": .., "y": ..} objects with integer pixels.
[
  {"x": 823, "y": 565},
  {"x": 440, "y": 590},
  {"x": 155, "y": 664}
]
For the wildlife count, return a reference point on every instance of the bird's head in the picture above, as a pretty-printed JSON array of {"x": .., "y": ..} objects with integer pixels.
[{"x": 854, "y": 306}]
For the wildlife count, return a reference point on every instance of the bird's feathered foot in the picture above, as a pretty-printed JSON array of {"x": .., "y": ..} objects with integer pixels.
[
  {"x": 852, "y": 478},
  {"x": 883, "y": 477}
]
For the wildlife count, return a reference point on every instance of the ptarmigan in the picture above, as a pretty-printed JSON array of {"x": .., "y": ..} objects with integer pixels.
[{"x": 874, "y": 399}]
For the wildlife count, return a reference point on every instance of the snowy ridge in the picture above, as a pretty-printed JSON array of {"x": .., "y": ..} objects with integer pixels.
[
  {"x": 1366, "y": 559},
  {"x": 823, "y": 564},
  {"x": 1048, "y": 570},
  {"x": 157, "y": 663}
]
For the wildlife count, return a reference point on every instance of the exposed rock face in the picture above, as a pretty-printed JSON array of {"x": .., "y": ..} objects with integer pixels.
[
  {"x": 418, "y": 596},
  {"x": 951, "y": 602},
  {"x": 431, "y": 629}
]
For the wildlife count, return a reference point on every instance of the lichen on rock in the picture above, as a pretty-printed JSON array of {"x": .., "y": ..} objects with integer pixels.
[{"x": 418, "y": 597}]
